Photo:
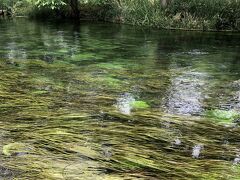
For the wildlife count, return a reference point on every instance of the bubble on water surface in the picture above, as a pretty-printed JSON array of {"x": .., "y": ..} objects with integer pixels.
[
  {"x": 186, "y": 94},
  {"x": 124, "y": 103},
  {"x": 177, "y": 142},
  {"x": 196, "y": 151},
  {"x": 236, "y": 161}
]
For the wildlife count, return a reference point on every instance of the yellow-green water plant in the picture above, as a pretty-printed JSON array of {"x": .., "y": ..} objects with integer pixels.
[
  {"x": 64, "y": 113},
  {"x": 223, "y": 116},
  {"x": 15, "y": 148},
  {"x": 110, "y": 66},
  {"x": 84, "y": 56},
  {"x": 139, "y": 105}
]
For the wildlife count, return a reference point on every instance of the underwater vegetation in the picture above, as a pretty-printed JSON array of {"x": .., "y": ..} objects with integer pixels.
[
  {"x": 224, "y": 116},
  {"x": 139, "y": 105},
  {"x": 153, "y": 107}
]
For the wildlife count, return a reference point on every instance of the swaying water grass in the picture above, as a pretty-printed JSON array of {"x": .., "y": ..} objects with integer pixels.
[
  {"x": 127, "y": 114},
  {"x": 224, "y": 116}
]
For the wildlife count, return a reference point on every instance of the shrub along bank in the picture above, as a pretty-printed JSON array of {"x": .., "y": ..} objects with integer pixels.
[{"x": 168, "y": 14}]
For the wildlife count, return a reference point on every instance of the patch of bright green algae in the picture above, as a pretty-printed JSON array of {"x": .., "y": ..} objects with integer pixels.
[
  {"x": 223, "y": 116},
  {"x": 84, "y": 56},
  {"x": 63, "y": 50},
  {"x": 112, "y": 82},
  {"x": 139, "y": 105}
]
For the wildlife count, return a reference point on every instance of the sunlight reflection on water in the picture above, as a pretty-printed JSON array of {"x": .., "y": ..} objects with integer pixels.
[{"x": 124, "y": 103}]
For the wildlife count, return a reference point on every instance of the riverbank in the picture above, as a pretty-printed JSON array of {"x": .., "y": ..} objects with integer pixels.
[{"x": 201, "y": 15}]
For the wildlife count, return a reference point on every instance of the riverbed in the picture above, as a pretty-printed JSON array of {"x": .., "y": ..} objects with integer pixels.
[{"x": 104, "y": 101}]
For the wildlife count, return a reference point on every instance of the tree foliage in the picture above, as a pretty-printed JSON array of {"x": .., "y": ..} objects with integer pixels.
[
  {"x": 53, "y": 4},
  {"x": 190, "y": 14}
]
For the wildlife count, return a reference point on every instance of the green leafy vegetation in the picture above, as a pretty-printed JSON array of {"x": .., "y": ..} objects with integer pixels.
[
  {"x": 82, "y": 57},
  {"x": 168, "y": 14},
  {"x": 224, "y": 115},
  {"x": 187, "y": 14},
  {"x": 139, "y": 105}
]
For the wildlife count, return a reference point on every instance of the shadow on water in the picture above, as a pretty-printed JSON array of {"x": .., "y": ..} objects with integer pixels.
[{"x": 103, "y": 101}]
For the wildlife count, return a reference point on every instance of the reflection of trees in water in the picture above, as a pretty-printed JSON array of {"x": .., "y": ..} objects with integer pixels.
[
  {"x": 36, "y": 40},
  {"x": 147, "y": 53},
  {"x": 206, "y": 56},
  {"x": 15, "y": 52},
  {"x": 223, "y": 69},
  {"x": 204, "y": 85},
  {"x": 184, "y": 92}
]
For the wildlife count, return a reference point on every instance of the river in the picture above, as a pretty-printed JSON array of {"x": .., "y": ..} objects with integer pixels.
[{"x": 105, "y": 101}]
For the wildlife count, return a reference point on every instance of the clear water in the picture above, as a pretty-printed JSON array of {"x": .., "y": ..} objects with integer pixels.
[{"x": 104, "y": 101}]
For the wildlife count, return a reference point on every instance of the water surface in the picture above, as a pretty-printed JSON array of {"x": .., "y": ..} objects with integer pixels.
[{"x": 104, "y": 101}]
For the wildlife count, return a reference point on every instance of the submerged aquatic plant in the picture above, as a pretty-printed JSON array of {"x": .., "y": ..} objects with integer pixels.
[
  {"x": 14, "y": 148},
  {"x": 139, "y": 105},
  {"x": 111, "y": 66},
  {"x": 58, "y": 119},
  {"x": 84, "y": 56},
  {"x": 223, "y": 116}
]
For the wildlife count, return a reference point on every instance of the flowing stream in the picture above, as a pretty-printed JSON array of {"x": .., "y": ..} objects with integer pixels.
[{"x": 102, "y": 101}]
